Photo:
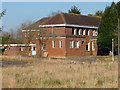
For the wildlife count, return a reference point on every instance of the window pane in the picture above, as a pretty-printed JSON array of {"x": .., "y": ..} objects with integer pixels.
[{"x": 60, "y": 44}]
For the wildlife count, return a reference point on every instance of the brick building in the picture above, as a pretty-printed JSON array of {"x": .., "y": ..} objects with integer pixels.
[
  {"x": 18, "y": 49},
  {"x": 69, "y": 35}
]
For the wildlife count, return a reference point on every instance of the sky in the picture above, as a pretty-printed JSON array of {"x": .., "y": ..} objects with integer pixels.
[{"x": 20, "y": 12}]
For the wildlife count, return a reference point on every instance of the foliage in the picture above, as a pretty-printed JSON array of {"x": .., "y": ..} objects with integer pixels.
[
  {"x": 107, "y": 29},
  {"x": 99, "y": 13},
  {"x": 75, "y": 10}
]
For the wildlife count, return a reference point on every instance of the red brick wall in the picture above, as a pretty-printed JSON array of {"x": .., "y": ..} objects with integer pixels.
[
  {"x": 65, "y": 50},
  {"x": 15, "y": 50}
]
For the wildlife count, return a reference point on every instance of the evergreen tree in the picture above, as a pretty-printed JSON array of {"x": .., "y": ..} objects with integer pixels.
[
  {"x": 107, "y": 29},
  {"x": 75, "y": 10},
  {"x": 99, "y": 13}
]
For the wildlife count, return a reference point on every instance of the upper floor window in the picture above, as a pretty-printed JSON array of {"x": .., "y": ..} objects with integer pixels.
[
  {"x": 84, "y": 32},
  {"x": 88, "y": 32},
  {"x": 71, "y": 44},
  {"x": 95, "y": 33},
  {"x": 60, "y": 42},
  {"x": 53, "y": 44},
  {"x": 79, "y": 31},
  {"x": 74, "y": 31}
]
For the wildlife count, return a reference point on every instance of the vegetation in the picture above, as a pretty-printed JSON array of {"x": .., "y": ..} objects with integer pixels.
[
  {"x": 75, "y": 10},
  {"x": 108, "y": 29},
  {"x": 44, "y": 73},
  {"x": 99, "y": 13}
]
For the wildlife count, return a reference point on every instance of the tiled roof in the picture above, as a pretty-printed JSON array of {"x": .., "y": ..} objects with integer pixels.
[
  {"x": 36, "y": 24},
  {"x": 74, "y": 19},
  {"x": 68, "y": 18}
]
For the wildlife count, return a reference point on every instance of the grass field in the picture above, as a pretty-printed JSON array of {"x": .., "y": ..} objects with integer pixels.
[{"x": 46, "y": 73}]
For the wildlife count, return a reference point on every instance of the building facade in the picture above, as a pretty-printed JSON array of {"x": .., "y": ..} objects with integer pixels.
[
  {"x": 18, "y": 49},
  {"x": 64, "y": 35}
]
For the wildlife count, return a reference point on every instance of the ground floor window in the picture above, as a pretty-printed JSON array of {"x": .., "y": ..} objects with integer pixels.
[
  {"x": 93, "y": 46},
  {"x": 71, "y": 44},
  {"x": 77, "y": 44},
  {"x": 60, "y": 42},
  {"x": 53, "y": 44},
  {"x": 43, "y": 46},
  {"x": 21, "y": 49},
  {"x": 33, "y": 48},
  {"x": 88, "y": 46}
]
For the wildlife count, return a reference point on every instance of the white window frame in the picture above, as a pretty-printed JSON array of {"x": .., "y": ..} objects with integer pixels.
[
  {"x": 88, "y": 46},
  {"x": 32, "y": 49},
  {"x": 75, "y": 31},
  {"x": 93, "y": 46},
  {"x": 60, "y": 43},
  {"x": 88, "y": 32},
  {"x": 71, "y": 44},
  {"x": 53, "y": 44},
  {"x": 21, "y": 49},
  {"x": 84, "y": 32},
  {"x": 77, "y": 44},
  {"x": 79, "y": 32},
  {"x": 95, "y": 33}
]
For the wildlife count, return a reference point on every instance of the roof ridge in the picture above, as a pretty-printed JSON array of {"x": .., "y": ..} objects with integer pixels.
[
  {"x": 81, "y": 15},
  {"x": 50, "y": 18},
  {"x": 63, "y": 18}
]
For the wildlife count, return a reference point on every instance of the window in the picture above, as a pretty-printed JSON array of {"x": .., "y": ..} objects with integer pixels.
[
  {"x": 43, "y": 46},
  {"x": 60, "y": 43},
  {"x": 33, "y": 48},
  {"x": 21, "y": 49},
  {"x": 53, "y": 44},
  {"x": 88, "y": 32},
  {"x": 77, "y": 44},
  {"x": 74, "y": 31},
  {"x": 79, "y": 31},
  {"x": 95, "y": 33},
  {"x": 88, "y": 46},
  {"x": 84, "y": 32},
  {"x": 93, "y": 46},
  {"x": 82, "y": 42},
  {"x": 71, "y": 44}
]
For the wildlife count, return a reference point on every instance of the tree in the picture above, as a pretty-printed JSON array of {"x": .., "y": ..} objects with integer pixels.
[
  {"x": 107, "y": 29},
  {"x": 99, "y": 13},
  {"x": 75, "y": 10},
  {"x": 1, "y": 15},
  {"x": 53, "y": 13}
]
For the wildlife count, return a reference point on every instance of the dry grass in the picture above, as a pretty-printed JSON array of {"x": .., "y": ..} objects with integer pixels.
[{"x": 61, "y": 74}]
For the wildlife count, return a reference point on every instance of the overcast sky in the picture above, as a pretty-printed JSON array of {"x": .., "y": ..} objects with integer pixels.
[{"x": 20, "y": 12}]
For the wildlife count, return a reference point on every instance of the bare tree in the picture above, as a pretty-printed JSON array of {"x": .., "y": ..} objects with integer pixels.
[{"x": 43, "y": 38}]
